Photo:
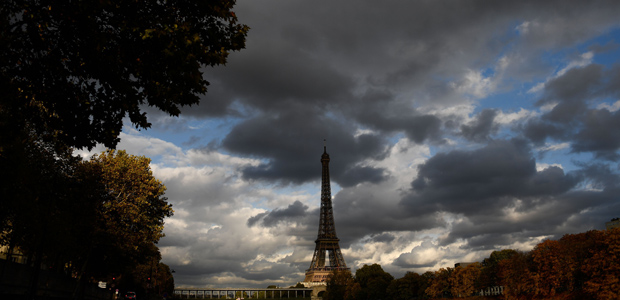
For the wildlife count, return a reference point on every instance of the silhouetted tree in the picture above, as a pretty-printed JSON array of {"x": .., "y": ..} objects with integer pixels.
[
  {"x": 373, "y": 282},
  {"x": 77, "y": 68},
  {"x": 337, "y": 285},
  {"x": 490, "y": 268},
  {"x": 410, "y": 286}
]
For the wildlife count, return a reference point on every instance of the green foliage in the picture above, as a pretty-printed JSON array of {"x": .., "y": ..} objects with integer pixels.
[
  {"x": 373, "y": 282},
  {"x": 135, "y": 213},
  {"x": 77, "y": 68},
  {"x": 490, "y": 268},
  {"x": 130, "y": 214},
  {"x": 410, "y": 286}
]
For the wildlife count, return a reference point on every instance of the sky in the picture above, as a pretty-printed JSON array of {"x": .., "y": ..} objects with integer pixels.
[{"x": 455, "y": 128}]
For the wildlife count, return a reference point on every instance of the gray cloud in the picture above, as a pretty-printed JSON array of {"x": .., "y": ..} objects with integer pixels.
[
  {"x": 572, "y": 120},
  {"x": 483, "y": 181},
  {"x": 480, "y": 129},
  {"x": 293, "y": 213},
  {"x": 293, "y": 148}
]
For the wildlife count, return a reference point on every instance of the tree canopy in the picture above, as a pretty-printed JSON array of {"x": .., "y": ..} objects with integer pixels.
[
  {"x": 577, "y": 266},
  {"x": 77, "y": 68},
  {"x": 136, "y": 209},
  {"x": 96, "y": 219}
]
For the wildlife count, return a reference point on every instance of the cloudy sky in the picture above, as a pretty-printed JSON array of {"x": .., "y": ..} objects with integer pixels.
[{"x": 455, "y": 128}]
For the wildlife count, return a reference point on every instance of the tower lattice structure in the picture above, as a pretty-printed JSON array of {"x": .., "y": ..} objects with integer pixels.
[{"x": 327, "y": 243}]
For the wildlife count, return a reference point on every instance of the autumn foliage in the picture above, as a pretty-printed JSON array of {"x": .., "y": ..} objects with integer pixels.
[{"x": 577, "y": 266}]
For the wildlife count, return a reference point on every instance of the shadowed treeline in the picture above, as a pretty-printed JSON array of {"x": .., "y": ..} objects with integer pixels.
[{"x": 578, "y": 266}]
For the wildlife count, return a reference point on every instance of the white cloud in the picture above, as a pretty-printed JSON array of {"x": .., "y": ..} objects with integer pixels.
[
  {"x": 524, "y": 27},
  {"x": 542, "y": 166},
  {"x": 513, "y": 117},
  {"x": 475, "y": 84},
  {"x": 612, "y": 108},
  {"x": 554, "y": 147}
]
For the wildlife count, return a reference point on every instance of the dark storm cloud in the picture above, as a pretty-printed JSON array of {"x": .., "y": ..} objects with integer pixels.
[
  {"x": 551, "y": 216},
  {"x": 292, "y": 144},
  {"x": 480, "y": 129},
  {"x": 382, "y": 238},
  {"x": 314, "y": 64},
  {"x": 571, "y": 120},
  {"x": 601, "y": 176},
  {"x": 484, "y": 180},
  {"x": 358, "y": 174},
  {"x": 600, "y": 134},
  {"x": 274, "y": 79},
  {"x": 370, "y": 210},
  {"x": 295, "y": 213},
  {"x": 572, "y": 91},
  {"x": 598, "y": 48},
  {"x": 320, "y": 54},
  {"x": 504, "y": 200}
]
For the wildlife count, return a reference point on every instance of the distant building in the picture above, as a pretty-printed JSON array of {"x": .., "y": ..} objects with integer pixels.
[
  {"x": 463, "y": 264},
  {"x": 614, "y": 223}
]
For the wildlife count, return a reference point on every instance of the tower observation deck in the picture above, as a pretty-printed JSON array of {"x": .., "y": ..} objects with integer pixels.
[{"x": 327, "y": 243}]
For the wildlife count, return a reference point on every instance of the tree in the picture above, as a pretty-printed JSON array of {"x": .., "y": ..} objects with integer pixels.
[
  {"x": 410, "y": 286},
  {"x": 373, "y": 282},
  {"x": 517, "y": 276},
  {"x": 133, "y": 215},
  {"x": 553, "y": 267},
  {"x": 603, "y": 269},
  {"x": 463, "y": 280},
  {"x": 579, "y": 248},
  {"x": 77, "y": 68},
  {"x": 490, "y": 267},
  {"x": 440, "y": 284},
  {"x": 337, "y": 285},
  {"x": 152, "y": 277}
]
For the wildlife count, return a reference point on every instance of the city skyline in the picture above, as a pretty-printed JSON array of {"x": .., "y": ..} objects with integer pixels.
[{"x": 454, "y": 129}]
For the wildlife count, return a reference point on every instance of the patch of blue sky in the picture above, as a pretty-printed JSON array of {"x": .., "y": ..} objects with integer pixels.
[
  {"x": 397, "y": 136},
  {"x": 606, "y": 47},
  {"x": 193, "y": 133},
  {"x": 568, "y": 160},
  {"x": 509, "y": 101},
  {"x": 487, "y": 72}
]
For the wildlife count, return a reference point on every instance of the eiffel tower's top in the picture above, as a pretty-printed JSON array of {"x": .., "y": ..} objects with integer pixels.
[{"x": 327, "y": 228}]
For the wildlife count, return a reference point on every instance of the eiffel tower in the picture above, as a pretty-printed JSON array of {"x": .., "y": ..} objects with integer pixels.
[{"x": 326, "y": 242}]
